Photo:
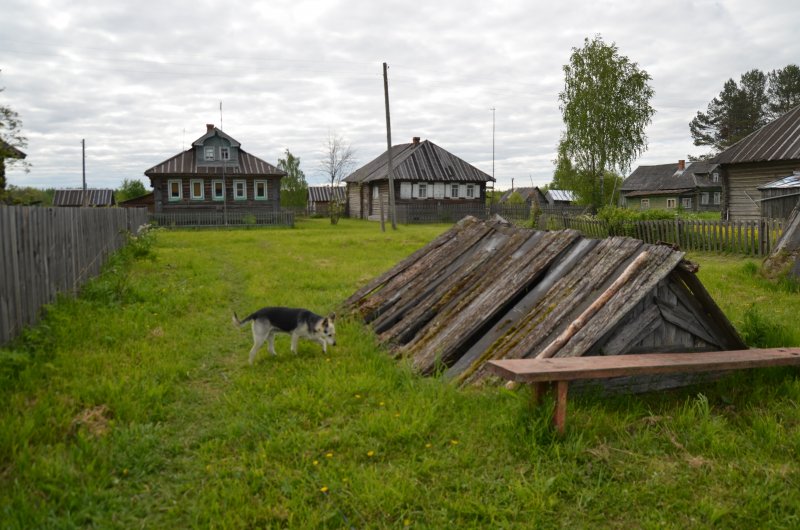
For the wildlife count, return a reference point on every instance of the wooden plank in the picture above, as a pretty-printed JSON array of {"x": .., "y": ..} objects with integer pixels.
[
  {"x": 633, "y": 332},
  {"x": 608, "y": 366},
  {"x": 560, "y": 416}
]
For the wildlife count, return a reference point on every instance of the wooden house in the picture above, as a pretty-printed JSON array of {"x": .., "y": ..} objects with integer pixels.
[
  {"x": 213, "y": 175},
  {"x": 320, "y": 198},
  {"x": 143, "y": 201},
  {"x": 695, "y": 187},
  {"x": 780, "y": 197},
  {"x": 427, "y": 181},
  {"x": 531, "y": 196},
  {"x": 559, "y": 198},
  {"x": 76, "y": 197},
  {"x": 766, "y": 155},
  {"x": 488, "y": 290}
]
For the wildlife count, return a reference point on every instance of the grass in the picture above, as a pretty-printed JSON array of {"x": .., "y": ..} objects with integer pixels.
[{"x": 134, "y": 406}]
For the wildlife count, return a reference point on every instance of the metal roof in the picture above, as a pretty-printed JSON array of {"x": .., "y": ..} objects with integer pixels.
[
  {"x": 792, "y": 181},
  {"x": 185, "y": 163},
  {"x": 776, "y": 141},
  {"x": 560, "y": 195},
  {"x": 74, "y": 197},
  {"x": 419, "y": 161},
  {"x": 325, "y": 193}
]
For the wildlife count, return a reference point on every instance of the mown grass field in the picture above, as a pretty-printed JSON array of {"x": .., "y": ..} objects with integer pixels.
[{"x": 133, "y": 406}]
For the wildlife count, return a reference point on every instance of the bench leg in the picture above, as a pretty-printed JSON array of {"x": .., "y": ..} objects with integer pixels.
[{"x": 560, "y": 415}]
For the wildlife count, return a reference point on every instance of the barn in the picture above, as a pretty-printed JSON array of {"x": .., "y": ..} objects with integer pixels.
[{"x": 489, "y": 290}]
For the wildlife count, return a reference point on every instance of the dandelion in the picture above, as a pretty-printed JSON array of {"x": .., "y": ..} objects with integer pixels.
[
  {"x": 125, "y": 471},
  {"x": 358, "y": 396},
  {"x": 428, "y": 445},
  {"x": 315, "y": 462},
  {"x": 381, "y": 404},
  {"x": 370, "y": 453},
  {"x": 407, "y": 522},
  {"x": 453, "y": 442},
  {"x": 328, "y": 455},
  {"x": 324, "y": 489}
]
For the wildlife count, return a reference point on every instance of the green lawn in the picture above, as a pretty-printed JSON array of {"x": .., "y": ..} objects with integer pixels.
[{"x": 134, "y": 406}]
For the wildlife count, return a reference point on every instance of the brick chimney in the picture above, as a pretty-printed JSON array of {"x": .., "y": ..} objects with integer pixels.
[
  {"x": 681, "y": 165},
  {"x": 209, "y": 127},
  {"x": 415, "y": 140}
]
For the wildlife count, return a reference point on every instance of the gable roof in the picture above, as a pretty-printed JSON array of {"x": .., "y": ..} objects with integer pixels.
[
  {"x": 489, "y": 290},
  {"x": 213, "y": 131},
  {"x": 74, "y": 197},
  {"x": 776, "y": 141},
  {"x": 525, "y": 193},
  {"x": 560, "y": 195},
  {"x": 325, "y": 193},
  {"x": 185, "y": 163},
  {"x": 9, "y": 151},
  {"x": 668, "y": 178},
  {"x": 417, "y": 161}
]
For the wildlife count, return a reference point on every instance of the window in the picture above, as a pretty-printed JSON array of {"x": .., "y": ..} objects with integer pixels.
[
  {"x": 209, "y": 153},
  {"x": 644, "y": 204},
  {"x": 240, "y": 190},
  {"x": 454, "y": 191},
  {"x": 225, "y": 153},
  {"x": 686, "y": 203},
  {"x": 671, "y": 203},
  {"x": 422, "y": 191},
  {"x": 174, "y": 190},
  {"x": 715, "y": 177},
  {"x": 261, "y": 190},
  {"x": 217, "y": 192},
  {"x": 470, "y": 191},
  {"x": 198, "y": 193},
  {"x": 704, "y": 198},
  {"x": 717, "y": 197},
  {"x": 376, "y": 192}
]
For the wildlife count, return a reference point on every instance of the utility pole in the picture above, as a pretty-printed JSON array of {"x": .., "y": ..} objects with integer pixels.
[
  {"x": 392, "y": 212},
  {"x": 84, "y": 202},
  {"x": 224, "y": 185},
  {"x": 493, "y": 112}
]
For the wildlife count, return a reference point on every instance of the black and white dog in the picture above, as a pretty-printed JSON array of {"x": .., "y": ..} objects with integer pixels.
[{"x": 299, "y": 323}]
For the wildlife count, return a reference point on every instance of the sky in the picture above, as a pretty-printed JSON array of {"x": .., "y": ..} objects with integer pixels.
[{"x": 140, "y": 81}]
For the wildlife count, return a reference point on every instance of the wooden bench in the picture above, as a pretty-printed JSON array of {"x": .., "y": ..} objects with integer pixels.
[{"x": 561, "y": 370}]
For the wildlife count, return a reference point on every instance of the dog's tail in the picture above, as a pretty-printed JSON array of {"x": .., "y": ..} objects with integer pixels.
[{"x": 240, "y": 323}]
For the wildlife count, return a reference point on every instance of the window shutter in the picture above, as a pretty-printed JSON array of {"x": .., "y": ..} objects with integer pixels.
[
  {"x": 405, "y": 190},
  {"x": 438, "y": 190}
]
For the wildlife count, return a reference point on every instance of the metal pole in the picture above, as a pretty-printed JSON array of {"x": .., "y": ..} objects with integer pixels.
[
  {"x": 83, "y": 161},
  {"x": 493, "y": 113},
  {"x": 392, "y": 212}
]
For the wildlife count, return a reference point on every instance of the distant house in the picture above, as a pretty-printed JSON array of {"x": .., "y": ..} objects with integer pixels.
[
  {"x": 557, "y": 198},
  {"x": 320, "y": 197},
  {"x": 76, "y": 198},
  {"x": 696, "y": 187},
  {"x": 143, "y": 201},
  {"x": 8, "y": 151},
  {"x": 766, "y": 155},
  {"x": 214, "y": 174},
  {"x": 427, "y": 178},
  {"x": 531, "y": 196},
  {"x": 779, "y": 197}
]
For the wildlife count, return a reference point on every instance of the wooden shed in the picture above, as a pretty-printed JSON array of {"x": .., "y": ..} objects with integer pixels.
[
  {"x": 779, "y": 197},
  {"x": 489, "y": 290}
]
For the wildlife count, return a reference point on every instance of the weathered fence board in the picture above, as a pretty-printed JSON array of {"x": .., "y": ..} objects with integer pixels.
[
  {"x": 46, "y": 251},
  {"x": 215, "y": 219}
]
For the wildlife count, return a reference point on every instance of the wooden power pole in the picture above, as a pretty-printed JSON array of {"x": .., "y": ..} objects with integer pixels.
[{"x": 392, "y": 211}]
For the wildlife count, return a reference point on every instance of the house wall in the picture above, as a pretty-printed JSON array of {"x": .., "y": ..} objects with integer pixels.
[
  {"x": 187, "y": 203},
  {"x": 779, "y": 203},
  {"x": 355, "y": 200},
  {"x": 741, "y": 181},
  {"x": 217, "y": 142},
  {"x": 659, "y": 202}
]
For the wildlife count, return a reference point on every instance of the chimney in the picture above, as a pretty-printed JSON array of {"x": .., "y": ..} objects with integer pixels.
[
  {"x": 209, "y": 127},
  {"x": 415, "y": 140},
  {"x": 681, "y": 165}
]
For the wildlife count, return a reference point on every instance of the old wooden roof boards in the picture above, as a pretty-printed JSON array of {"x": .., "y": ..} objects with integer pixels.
[{"x": 488, "y": 290}]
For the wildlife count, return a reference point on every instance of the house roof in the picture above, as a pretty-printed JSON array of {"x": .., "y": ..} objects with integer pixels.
[
  {"x": 792, "y": 181},
  {"x": 9, "y": 151},
  {"x": 185, "y": 163},
  {"x": 325, "y": 193},
  {"x": 489, "y": 290},
  {"x": 664, "y": 178},
  {"x": 525, "y": 193},
  {"x": 213, "y": 131},
  {"x": 416, "y": 161},
  {"x": 74, "y": 197},
  {"x": 561, "y": 195},
  {"x": 776, "y": 141}
]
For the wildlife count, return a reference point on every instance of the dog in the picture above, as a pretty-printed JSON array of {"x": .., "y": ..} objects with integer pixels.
[{"x": 299, "y": 323}]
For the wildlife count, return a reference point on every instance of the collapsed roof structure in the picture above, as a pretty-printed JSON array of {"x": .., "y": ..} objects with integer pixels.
[{"x": 488, "y": 290}]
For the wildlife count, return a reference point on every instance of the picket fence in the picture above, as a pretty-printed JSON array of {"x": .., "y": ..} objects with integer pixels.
[
  {"x": 47, "y": 251},
  {"x": 219, "y": 219}
]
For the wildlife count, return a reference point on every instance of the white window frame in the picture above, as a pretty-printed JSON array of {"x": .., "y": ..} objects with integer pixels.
[
  {"x": 236, "y": 189},
  {"x": 717, "y": 197},
  {"x": 225, "y": 153},
  {"x": 209, "y": 154},
  {"x": 672, "y": 203},
  {"x": 715, "y": 177},
  {"x": 214, "y": 195},
  {"x": 704, "y": 198},
  {"x": 422, "y": 190},
  {"x": 686, "y": 203},
  {"x": 265, "y": 195},
  {"x": 376, "y": 192},
  {"x": 644, "y": 204},
  {"x": 192, "y": 194},
  {"x": 454, "y": 191},
  {"x": 170, "y": 183},
  {"x": 470, "y": 194}
]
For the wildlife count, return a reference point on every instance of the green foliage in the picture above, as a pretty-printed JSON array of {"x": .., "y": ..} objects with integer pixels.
[
  {"x": 130, "y": 189},
  {"x": 605, "y": 106},
  {"x": 515, "y": 199},
  {"x": 12, "y": 142},
  {"x": 29, "y": 196},
  {"x": 294, "y": 189},
  {"x": 743, "y": 108},
  {"x": 758, "y": 331}
]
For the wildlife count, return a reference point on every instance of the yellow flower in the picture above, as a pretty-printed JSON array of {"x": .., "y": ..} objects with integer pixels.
[
  {"x": 428, "y": 445},
  {"x": 329, "y": 455},
  {"x": 381, "y": 404},
  {"x": 358, "y": 396},
  {"x": 316, "y": 462},
  {"x": 407, "y": 522},
  {"x": 324, "y": 489},
  {"x": 453, "y": 442},
  {"x": 370, "y": 453}
]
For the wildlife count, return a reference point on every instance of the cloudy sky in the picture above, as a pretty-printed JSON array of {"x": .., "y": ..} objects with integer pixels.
[{"x": 139, "y": 80}]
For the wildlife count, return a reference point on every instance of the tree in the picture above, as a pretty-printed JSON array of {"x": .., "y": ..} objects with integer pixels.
[
  {"x": 11, "y": 143},
  {"x": 738, "y": 110},
  {"x": 336, "y": 162},
  {"x": 294, "y": 189},
  {"x": 605, "y": 106},
  {"x": 130, "y": 189},
  {"x": 783, "y": 90}
]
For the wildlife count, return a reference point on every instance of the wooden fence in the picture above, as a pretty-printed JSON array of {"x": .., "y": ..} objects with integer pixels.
[
  {"x": 217, "y": 219},
  {"x": 46, "y": 251},
  {"x": 749, "y": 237}
]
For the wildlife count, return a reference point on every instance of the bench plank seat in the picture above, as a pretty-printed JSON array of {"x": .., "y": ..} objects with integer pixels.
[{"x": 561, "y": 370}]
